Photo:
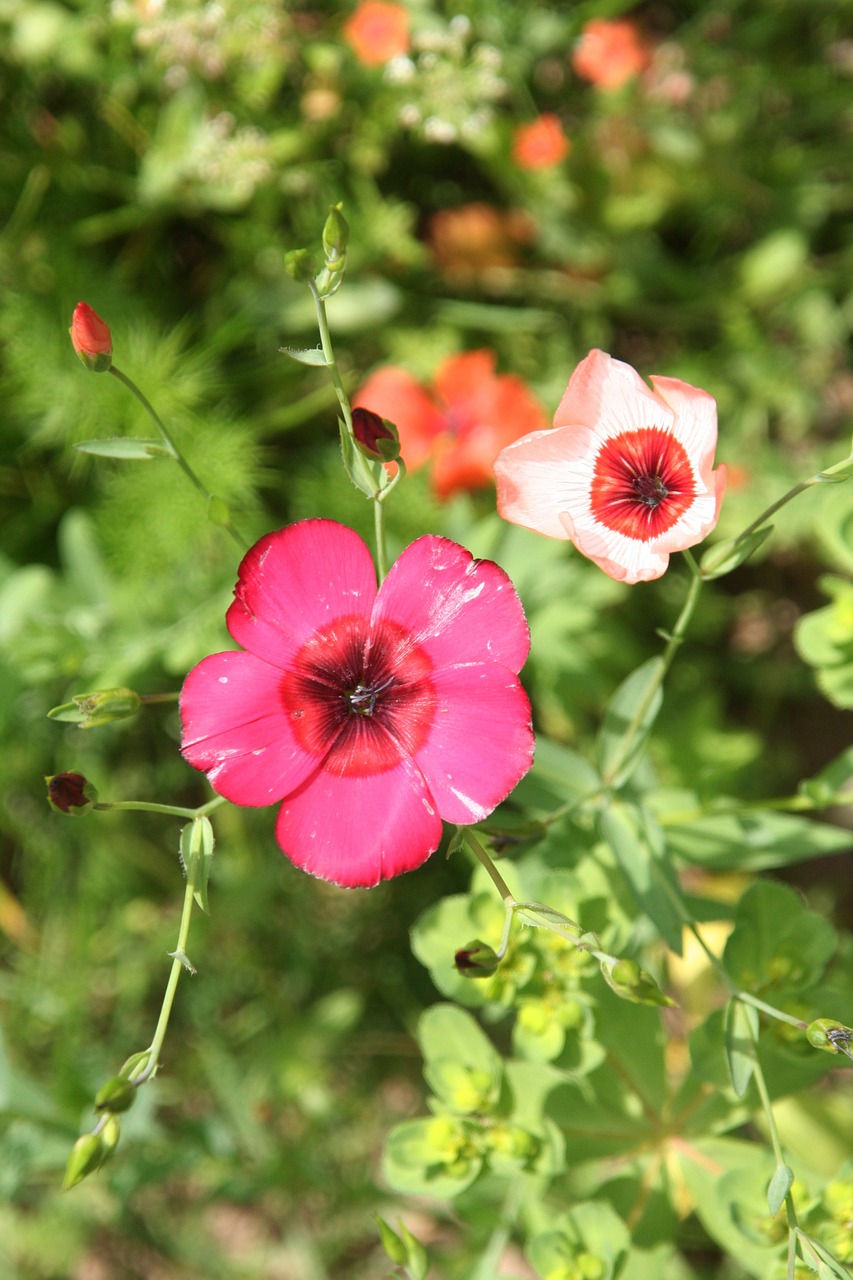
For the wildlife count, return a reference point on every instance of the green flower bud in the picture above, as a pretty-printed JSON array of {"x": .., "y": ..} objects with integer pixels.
[
  {"x": 391, "y": 1242},
  {"x": 129, "y": 1070},
  {"x": 110, "y": 1135},
  {"x": 335, "y": 238},
  {"x": 831, "y": 1036},
  {"x": 118, "y": 1094},
  {"x": 86, "y": 1156},
  {"x": 71, "y": 794},
  {"x": 300, "y": 264},
  {"x": 90, "y": 709},
  {"x": 476, "y": 960},
  {"x": 631, "y": 982}
]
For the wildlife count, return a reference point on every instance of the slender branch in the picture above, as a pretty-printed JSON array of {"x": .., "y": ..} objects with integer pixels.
[
  {"x": 174, "y": 451},
  {"x": 170, "y": 810},
  {"x": 179, "y": 963}
]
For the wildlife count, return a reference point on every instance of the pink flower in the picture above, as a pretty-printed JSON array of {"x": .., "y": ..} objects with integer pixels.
[
  {"x": 625, "y": 473},
  {"x": 460, "y": 423},
  {"x": 372, "y": 715},
  {"x": 610, "y": 52},
  {"x": 541, "y": 144},
  {"x": 377, "y": 32}
]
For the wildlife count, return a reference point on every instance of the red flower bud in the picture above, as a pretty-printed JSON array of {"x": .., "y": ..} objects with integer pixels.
[
  {"x": 91, "y": 338},
  {"x": 70, "y": 793},
  {"x": 375, "y": 436}
]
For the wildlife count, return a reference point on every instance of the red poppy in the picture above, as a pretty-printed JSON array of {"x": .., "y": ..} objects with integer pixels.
[
  {"x": 610, "y": 52},
  {"x": 541, "y": 144},
  {"x": 461, "y": 423},
  {"x": 377, "y": 32}
]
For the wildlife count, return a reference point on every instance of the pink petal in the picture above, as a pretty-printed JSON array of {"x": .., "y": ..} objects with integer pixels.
[
  {"x": 358, "y": 830},
  {"x": 296, "y": 581},
  {"x": 624, "y": 559},
  {"x": 236, "y": 730},
  {"x": 456, "y": 608},
  {"x": 696, "y": 419},
  {"x": 481, "y": 741},
  {"x": 544, "y": 474},
  {"x": 609, "y": 396}
]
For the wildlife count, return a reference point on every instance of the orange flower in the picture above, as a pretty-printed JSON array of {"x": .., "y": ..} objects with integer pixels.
[
  {"x": 377, "y": 32},
  {"x": 540, "y": 144},
  {"x": 609, "y": 52},
  {"x": 474, "y": 239},
  {"x": 461, "y": 423}
]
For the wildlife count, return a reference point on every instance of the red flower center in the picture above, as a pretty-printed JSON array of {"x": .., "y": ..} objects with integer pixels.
[
  {"x": 642, "y": 483},
  {"x": 360, "y": 696}
]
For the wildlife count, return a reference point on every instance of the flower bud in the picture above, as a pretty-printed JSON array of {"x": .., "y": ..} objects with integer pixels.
[
  {"x": 70, "y": 793},
  {"x": 90, "y": 709},
  {"x": 110, "y": 1135},
  {"x": 376, "y": 437},
  {"x": 86, "y": 1156},
  {"x": 476, "y": 960},
  {"x": 335, "y": 239},
  {"x": 91, "y": 338},
  {"x": 831, "y": 1036},
  {"x": 300, "y": 265},
  {"x": 631, "y": 982},
  {"x": 116, "y": 1095}
]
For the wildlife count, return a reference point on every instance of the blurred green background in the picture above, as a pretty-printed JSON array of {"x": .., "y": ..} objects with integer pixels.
[{"x": 157, "y": 158}]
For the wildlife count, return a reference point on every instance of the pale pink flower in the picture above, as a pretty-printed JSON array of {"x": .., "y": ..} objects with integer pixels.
[
  {"x": 625, "y": 473},
  {"x": 372, "y": 715}
]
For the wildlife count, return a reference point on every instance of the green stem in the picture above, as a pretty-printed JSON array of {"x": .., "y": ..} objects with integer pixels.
[
  {"x": 150, "y": 698},
  {"x": 819, "y": 477},
  {"x": 346, "y": 414},
  {"x": 483, "y": 858},
  {"x": 174, "y": 451},
  {"x": 179, "y": 963},
  {"x": 767, "y": 1107},
  {"x": 746, "y": 997},
  {"x": 777, "y": 804},
  {"x": 170, "y": 810},
  {"x": 674, "y": 641}
]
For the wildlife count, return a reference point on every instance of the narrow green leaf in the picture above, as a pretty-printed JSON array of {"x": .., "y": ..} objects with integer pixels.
[
  {"x": 740, "y": 1027},
  {"x": 634, "y": 838},
  {"x": 726, "y": 556},
  {"x": 780, "y": 1185},
  {"x": 306, "y": 355},
  {"x": 128, "y": 448},
  {"x": 628, "y": 721}
]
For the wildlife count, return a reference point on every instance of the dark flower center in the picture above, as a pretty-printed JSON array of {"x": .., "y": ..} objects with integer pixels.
[
  {"x": 642, "y": 483},
  {"x": 360, "y": 696}
]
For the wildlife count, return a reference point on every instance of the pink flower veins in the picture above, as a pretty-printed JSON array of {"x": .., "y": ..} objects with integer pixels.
[
  {"x": 625, "y": 473},
  {"x": 372, "y": 715}
]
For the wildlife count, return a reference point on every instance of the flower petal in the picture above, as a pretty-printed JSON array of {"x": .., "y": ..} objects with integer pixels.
[
  {"x": 357, "y": 830},
  {"x": 481, "y": 741},
  {"x": 542, "y": 475},
  {"x": 456, "y": 608},
  {"x": 610, "y": 397},
  {"x": 695, "y": 419},
  {"x": 236, "y": 729},
  {"x": 296, "y": 581}
]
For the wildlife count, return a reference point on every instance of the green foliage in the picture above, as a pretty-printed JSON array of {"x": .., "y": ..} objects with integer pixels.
[{"x": 161, "y": 161}]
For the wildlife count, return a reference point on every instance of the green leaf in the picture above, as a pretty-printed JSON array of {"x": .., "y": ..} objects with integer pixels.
[
  {"x": 589, "y": 1240},
  {"x": 740, "y": 1031},
  {"x": 628, "y": 721},
  {"x": 634, "y": 837},
  {"x": 306, "y": 355},
  {"x": 780, "y": 1185},
  {"x": 419, "y": 1160},
  {"x": 752, "y": 840},
  {"x": 726, "y": 556},
  {"x": 777, "y": 941},
  {"x": 128, "y": 448},
  {"x": 446, "y": 1032}
]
